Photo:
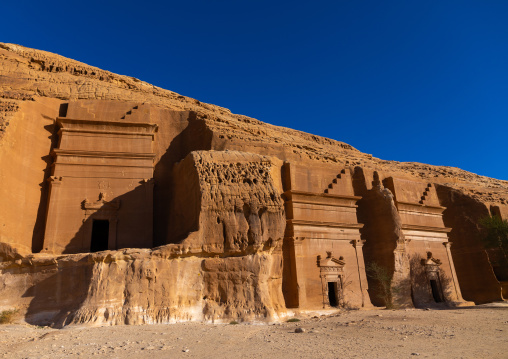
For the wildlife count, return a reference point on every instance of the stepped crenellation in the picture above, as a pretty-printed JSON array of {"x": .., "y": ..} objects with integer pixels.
[{"x": 425, "y": 193}]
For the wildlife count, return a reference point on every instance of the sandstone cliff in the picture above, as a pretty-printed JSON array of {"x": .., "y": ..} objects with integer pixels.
[
  {"x": 224, "y": 256},
  {"x": 29, "y": 75}
]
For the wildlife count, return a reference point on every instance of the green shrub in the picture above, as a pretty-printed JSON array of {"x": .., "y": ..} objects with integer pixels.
[
  {"x": 7, "y": 316},
  {"x": 496, "y": 232},
  {"x": 293, "y": 320},
  {"x": 234, "y": 322},
  {"x": 495, "y": 242},
  {"x": 383, "y": 282}
]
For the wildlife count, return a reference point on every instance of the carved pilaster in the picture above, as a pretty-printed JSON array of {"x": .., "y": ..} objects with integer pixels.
[
  {"x": 360, "y": 265},
  {"x": 298, "y": 255},
  {"x": 113, "y": 240},
  {"x": 148, "y": 185},
  {"x": 52, "y": 214},
  {"x": 452, "y": 270}
]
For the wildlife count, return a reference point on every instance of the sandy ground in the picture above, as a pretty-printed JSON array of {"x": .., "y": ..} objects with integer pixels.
[{"x": 477, "y": 332}]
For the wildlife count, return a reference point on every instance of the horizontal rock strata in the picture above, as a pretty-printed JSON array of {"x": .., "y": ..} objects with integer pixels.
[{"x": 208, "y": 215}]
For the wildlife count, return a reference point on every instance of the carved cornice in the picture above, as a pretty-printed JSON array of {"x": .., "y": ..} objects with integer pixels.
[
  {"x": 67, "y": 124},
  {"x": 331, "y": 269},
  {"x": 61, "y": 164},
  {"x": 410, "y": 204},
  {"x": 102, "y": 154},
  {"x": 413, "y": 227},
  {"x": 105, "y": 132},
  {"x": 289, "y": 194},
  {"x": 298, "y": 222}
]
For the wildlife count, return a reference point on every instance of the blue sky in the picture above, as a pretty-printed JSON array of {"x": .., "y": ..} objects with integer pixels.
[{"x": 423, "y": 81}]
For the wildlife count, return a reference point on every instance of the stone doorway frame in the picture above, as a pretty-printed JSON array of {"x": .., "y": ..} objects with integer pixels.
[
  {"x": 432, "y": 271},
  {"x": 332, "y": 271},
  {"x": 101, "y": 210}
]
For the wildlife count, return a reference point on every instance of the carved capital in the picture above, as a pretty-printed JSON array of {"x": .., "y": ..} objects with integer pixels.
[
  {"x": 55, "y": 180},
  {"x": 147, "y": 181},
  {"x": 297, "y": 241},
  {"x": 357, "y": 243}
]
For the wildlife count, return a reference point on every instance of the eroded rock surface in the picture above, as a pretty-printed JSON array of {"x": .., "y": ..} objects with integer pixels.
[
  {"x": 228, "y": 266},
  {"x": 241, "y": 209}
]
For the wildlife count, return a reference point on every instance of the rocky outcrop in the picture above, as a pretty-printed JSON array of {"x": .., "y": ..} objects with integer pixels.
[
  {"x": 141, "y": 287},
  {"x": 230, "y": 201},
  {"x": 385, "y": 245},
  {"x": 479, "y": 279},
  {"x": 29, "y": 74},
  {"x": 227, "y": 266},
  {"x": 219, "y": 202}
]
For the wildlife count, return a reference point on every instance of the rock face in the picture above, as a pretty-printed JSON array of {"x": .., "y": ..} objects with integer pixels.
[
  {"x": 113, "y": 156},
  {"x": 142, "y": 286},
  {"x": 229, "y": 265},
  {"x": 322, "y": 227},
  {"x": 233, "y": 198},
  {"x": 480, "y": 279},
  {"x": 125, "y": 203}
]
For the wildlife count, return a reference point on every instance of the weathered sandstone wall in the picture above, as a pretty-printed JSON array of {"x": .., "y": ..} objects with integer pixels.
[
  {"x": 218, "y": 213},
  {"x": 25, "y": 162},
  {"x": 463, "y": 213},
  {"x": 228, "y": 265},
  {"x": 385, "y": 245},
  {"x": 141, "y": 286},
  {"x": 231, "y": 199},
  {"x": 32, "y": 75}
]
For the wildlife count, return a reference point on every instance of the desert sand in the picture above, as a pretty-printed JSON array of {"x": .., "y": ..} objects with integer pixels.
[{"x": 473, "y": 332}]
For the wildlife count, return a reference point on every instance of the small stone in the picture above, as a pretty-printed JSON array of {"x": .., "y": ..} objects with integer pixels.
[
  {"x": 415, "y": 353},
  {"x": 300, "y": 330},
  {"x": 185, "y": 350}
]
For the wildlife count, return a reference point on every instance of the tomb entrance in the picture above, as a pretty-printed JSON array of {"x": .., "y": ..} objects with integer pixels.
[
  {"x": 422, "y": 227},
  {"x": 100, "y": 235},
  {"x": 432, "y": 272},
  {"x": 321, "y": 217},
  {"x": 104, "y": 158},
  {"x": 332, "y": 280}
]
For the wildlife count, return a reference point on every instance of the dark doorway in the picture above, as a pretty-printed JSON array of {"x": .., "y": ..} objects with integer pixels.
[
  {"x": 100, "y": 235},
  {"x": 332, "y": 294},
  {"x": 436, "y": 292}
]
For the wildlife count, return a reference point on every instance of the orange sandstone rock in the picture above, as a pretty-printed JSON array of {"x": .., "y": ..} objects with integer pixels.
[{"x": 200, "y": 214}]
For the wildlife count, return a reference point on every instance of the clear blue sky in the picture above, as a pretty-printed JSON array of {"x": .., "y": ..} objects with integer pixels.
[{"x": 423, "y": 81}]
